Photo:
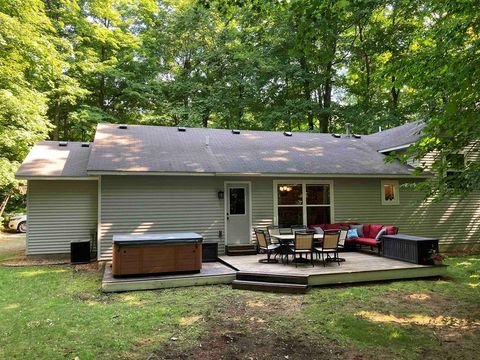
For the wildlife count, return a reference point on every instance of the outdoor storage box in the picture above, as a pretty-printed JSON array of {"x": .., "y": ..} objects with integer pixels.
[
  {"x": 409, "y": 248},
  {"x": 156, "y": 253}
]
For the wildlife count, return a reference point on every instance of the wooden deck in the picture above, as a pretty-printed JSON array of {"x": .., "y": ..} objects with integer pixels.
[
  {"x": 245, "y": 272},
  {"x": 358, "y": 267},
  {"x": 211, "y": 273}
]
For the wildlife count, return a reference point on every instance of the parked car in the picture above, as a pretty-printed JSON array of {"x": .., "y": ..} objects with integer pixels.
[{"x": 17, "y": 223}]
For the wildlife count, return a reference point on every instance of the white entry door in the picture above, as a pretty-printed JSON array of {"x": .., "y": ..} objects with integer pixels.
[{"x": 237, "y": 217}]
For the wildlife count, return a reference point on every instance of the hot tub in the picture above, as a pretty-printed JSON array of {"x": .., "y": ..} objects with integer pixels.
[{"x": 156, "y": 253}]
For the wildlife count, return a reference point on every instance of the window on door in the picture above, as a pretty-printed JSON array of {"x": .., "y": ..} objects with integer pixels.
[
  {"x": 237, "y": 201},
  {"x": 302, "y": 203}
]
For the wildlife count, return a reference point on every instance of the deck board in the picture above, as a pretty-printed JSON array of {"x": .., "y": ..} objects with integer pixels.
[
  {"x": 358, "y": 267},
  {"x": 211, "y": 273}
]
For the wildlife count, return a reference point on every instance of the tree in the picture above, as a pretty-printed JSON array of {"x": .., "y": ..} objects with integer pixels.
[
  {"x": 446, "y": 79},
  {"x": 29, "y": 65}
]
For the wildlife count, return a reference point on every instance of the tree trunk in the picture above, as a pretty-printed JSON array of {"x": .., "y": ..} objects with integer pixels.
[
  {"x": 4, "y": 203},
  {"x": 306, "y": 90},
  {"x": 395, "y": 94},
  {"x": 326, "y": 97},
  {"x": 368, "y": 70},
  {"x": 56, "y": 120},
  {"x": 205, "y": 120}
]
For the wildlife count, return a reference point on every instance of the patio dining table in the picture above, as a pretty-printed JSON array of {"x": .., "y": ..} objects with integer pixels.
[
  {"x": 288, "y": 237},
  {"x": 286, "y": 241}
]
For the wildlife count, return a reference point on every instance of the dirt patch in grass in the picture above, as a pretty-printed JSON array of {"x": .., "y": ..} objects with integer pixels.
[
  {"x": 94, "y": 266},
  {"x": 256, "y": 326},
  {"x": 24, "y": 261},
  {"x": 455, "y": 324}
]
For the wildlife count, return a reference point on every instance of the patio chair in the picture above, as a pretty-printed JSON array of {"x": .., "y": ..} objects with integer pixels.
[
  {"x": 303, "y": 244},
  {"x": 296, "y": 228},
  {"x": 330, "y": 246},
  {"x": 285, "y": 230},
  {"x": 342, "y": 238},
  {"x": 264, "y": 245},
  {"x": 341, "y": 245},
  {"x": 273, "y": 230}
]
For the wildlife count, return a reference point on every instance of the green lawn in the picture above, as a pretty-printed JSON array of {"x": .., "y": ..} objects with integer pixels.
[{"x": 57, "y": 312}]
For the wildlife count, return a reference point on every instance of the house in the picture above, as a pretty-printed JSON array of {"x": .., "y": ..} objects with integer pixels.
[{"x": 223, "y": 183}]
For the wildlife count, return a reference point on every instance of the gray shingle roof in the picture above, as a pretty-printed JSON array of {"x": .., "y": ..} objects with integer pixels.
[
  {"x": 397, "y": 136},
  {"x": 48, "y": 159},
  {"x": 158, "y": 149}
]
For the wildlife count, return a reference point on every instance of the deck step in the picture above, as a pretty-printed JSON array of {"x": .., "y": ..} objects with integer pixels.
[
  {"x": 272, "y": 278},
  {"x": 241, "y": 250},
  {"x": 241, "y": 247},
  {"x": 270, "y": 286}
]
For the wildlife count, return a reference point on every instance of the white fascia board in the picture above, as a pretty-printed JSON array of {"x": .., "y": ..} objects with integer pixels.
[
  {"x": 296, "y": 175},
  {"x": 393, "y": 148},
  {"x": 90, "y": 178}
]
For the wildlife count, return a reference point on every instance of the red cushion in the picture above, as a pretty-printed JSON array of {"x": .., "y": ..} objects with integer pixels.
[
  {"x": 366, "y": 230},
  {"x": 374, "y": 230},
  {"x": 351, "y": 240},
  {"x": 317, "y": 225},
  {"x": 332, "y": 226},
  {"x": 391, "y": 230},
  {"x": 367, "y": 241}
]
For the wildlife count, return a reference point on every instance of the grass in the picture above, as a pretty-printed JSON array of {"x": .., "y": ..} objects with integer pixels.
[{"x": 58, "y": 312}]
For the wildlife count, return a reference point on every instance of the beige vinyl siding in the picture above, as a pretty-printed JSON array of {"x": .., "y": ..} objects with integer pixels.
[
  {"x": 60, "y": 211},
  {"x": 262, "y": 203},
  {"x": 139, "y": 204},
  {"x": 453, "y": 222},
  {"x": 142, "y": 204}
]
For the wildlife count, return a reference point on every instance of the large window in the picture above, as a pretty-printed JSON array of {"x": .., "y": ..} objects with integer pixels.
[{"x": 302, "y": 203}]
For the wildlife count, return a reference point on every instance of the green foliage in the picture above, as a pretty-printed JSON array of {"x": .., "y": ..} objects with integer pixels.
[
  {"x": 446, "y": 78},
  {"x": 58, "y": 312},
  {"x": 28, "y": 63},
  {"x": 67, "y": 65}
]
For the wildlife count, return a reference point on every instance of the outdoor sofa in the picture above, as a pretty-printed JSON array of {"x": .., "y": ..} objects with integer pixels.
[{"x": 367, "y": 233}]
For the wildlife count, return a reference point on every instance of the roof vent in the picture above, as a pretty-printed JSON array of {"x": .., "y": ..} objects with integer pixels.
[
  {"x": 62, "y": 143},
  {"x": 287, "y": 133},
  {"x": 356, "y": 136},
  {"x": 338, "y": 136},
  {"x": 85, "y": 144},
  {"x": 123, "y": 127},
  {"x": 182, "y": 129},
  {"x": 235, "y": 131}
]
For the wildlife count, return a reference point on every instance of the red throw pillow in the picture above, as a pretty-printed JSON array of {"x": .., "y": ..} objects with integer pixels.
[
  {"x": 374, "y": 230},
  {"x": 331, "y": 226},
  {"x": 366, "y": 230},
  {"x": 391, "y": 230}
]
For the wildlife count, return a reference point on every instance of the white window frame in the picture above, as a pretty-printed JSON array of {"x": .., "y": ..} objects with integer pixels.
[
  {"x": 304, "y": 204},
  {"x": 396, "y": 189}
]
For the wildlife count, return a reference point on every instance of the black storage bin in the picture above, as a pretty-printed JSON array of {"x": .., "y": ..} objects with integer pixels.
[
  {"x": 209, "y": 252},
  {"x": 80, "y": 252}
]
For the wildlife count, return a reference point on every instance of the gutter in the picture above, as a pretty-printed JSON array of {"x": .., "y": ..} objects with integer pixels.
[
  {"x": 267, "y": 175},
  {"x": 393, "y": 148}
]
